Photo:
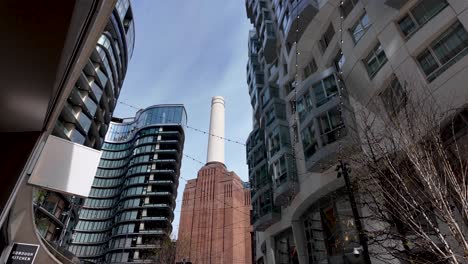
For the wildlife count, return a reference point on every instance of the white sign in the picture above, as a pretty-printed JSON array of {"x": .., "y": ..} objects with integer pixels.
[{"x": 65, "y": 167}]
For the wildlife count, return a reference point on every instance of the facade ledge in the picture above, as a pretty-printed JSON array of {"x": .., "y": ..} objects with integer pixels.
[{"x": 262, "y": 223}]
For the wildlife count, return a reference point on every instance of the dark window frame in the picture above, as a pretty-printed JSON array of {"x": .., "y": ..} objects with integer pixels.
[{"x": 411, "y": 17}]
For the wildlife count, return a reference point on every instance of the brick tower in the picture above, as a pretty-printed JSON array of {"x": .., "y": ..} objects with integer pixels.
[{"x": 215, "y": 218}]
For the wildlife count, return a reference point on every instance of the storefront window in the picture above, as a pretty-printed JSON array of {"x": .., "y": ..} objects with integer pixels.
[
  {"x": 329, "y": 228},
  {"x": 285, "y": 248}
]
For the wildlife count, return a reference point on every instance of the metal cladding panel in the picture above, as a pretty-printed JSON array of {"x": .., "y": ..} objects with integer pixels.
[{"x": 66, "y": 167}]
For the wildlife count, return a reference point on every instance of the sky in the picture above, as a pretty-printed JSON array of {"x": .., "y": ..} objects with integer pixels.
[{"x": 187, "y": 51}]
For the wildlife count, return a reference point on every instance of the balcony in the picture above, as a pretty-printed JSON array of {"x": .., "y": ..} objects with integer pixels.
[
  {"x": 397, "y": 4},
  {"x": 268, "y": 219},
  {"x": 306, "y": 10},
  {"x": 269, "y": 42},
  {"x": 285, "y": 179},
  {"x": 331, "y": 140},
  {"x": 249, "y": 8},
  {"x": 265, "y": 213}
]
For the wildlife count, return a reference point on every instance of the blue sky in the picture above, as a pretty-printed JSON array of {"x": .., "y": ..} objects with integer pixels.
[{"x": 187, "y": 51}]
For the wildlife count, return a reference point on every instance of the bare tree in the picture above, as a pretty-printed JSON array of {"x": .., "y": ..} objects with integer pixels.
[
  {"x": 183, "y": 249},
  {"x": 166, "y": 252},
  {"x": 412, "y": 180}
]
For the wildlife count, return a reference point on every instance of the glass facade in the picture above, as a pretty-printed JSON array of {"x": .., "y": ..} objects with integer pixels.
[
  {"x": 100, "y": 81},
  {"x": 130, "y": 206},
  {"x": 84, "y": 119},
  {"x": 329, "y": 229}
]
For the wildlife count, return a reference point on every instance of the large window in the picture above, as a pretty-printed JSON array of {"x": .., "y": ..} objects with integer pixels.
[
  {"x": 360, "y": 28},
  {"x": 329, "y": 228},
  {"x": 331, "y": 126},
  {"x": 273, "y": 143},
  {"x": 324, "y": 90},
  {"x": 419, "y": 15},
  {"x": 375, "y": 60},
  {"x": 304, "y": 106},
  {"x": 445, "y": 51},
  {"x": 394, "y": 96},
  {"x": 47, "y": 228},
  {"x": 263, "y": 205},
  {"x": 309, "y": 142},
  {"x": 285, "y": 248},
  {"x": 280, "y": 171},
  {"x": 327, "y": 37}
]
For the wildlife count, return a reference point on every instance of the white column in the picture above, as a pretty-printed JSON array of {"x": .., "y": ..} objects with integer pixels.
[{"x": 215, "y": 143}]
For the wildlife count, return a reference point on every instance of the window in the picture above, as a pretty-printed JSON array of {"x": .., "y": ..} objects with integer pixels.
[
  {"x": 419, "y": 15},
  {"x": 360, "y": 28},
  {"x": 329, "y": 228},
  {"x": 394, "y": 96},
  {"x": 265, "y": 97},
  {"x": 309, "y": 142},
  {"x": 280, "y": 171},
  {"x": 375, "y": 60},
  {"x": 327, "y": 37},
  {"x": 348, "y": 6},
  {"x": 324, "y": 90},
  {"x": 331, "y": 126},
  {"x": 304, "y": 105},
  {"x": 445, "y": 51},
  {"x": 273, "y": 143},
  {"x": 285, "y": 248},
  {"x": 310, "y": 68}
]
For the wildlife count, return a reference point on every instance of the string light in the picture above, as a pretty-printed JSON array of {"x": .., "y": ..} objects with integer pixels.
[
  {"x": 193, "y": 128},
  {"x": 293, "y": 183},
  {"x": 340, "y": 85},
  {"x": 226, "y": 173}
]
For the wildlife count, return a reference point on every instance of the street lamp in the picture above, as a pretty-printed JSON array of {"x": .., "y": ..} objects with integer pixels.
[{"x": 343, "y": 170}]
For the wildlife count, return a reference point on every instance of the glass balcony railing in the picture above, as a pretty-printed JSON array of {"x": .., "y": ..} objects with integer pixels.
[
  {"x": 84, "y": 121},
  {"x": 77, "y": 137},
  {"x": 90, "y": 105},
  {"x": 97, "y": 91}
]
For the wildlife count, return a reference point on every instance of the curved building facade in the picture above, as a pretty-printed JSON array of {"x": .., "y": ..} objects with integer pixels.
[
  {"x": 87, "y": 113},
  {"x": 130, "y": 207}
]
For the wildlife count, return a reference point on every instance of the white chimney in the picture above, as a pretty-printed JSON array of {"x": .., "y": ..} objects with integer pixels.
[{"x": 216, "y": 137}]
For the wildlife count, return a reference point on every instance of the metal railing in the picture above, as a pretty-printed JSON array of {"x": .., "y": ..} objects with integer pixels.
[{"x": 63, "y": 255}]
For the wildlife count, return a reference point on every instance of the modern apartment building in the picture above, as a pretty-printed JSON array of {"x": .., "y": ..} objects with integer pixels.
[
  {"x": 311, "y": 64},
  {"x": 46, "y": 48},
  {"x": 215, "y": 216},
  {"x": 94, "y": 63},
  {"x": 129, "y": 210},
  {"x": 86, "y": 115}
]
